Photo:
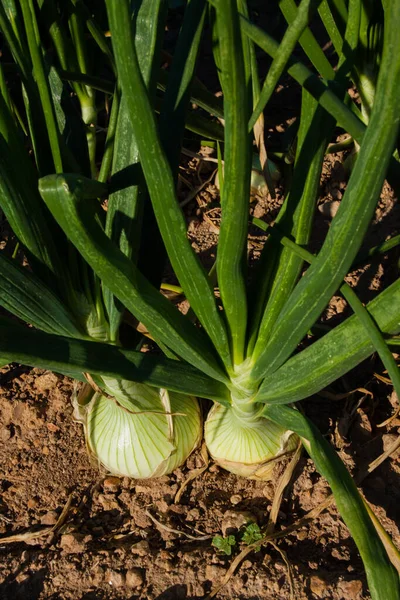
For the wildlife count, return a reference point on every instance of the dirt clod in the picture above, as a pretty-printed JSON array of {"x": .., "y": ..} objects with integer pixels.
[
  {"x": 134, "y": 578},
  {"x": 73, "y": 543},
  {"x": 115, "y": 578},
  {"x": 351, "y": 589},
  {"x": 112, "y": 484},
  {"x": 318, "y": 586}
]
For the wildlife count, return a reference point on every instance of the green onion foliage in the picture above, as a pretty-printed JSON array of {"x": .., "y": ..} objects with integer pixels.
[{"x": 91, "y": 132}]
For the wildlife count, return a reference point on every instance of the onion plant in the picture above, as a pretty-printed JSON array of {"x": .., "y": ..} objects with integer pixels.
[{"x": 95, "y": 267}]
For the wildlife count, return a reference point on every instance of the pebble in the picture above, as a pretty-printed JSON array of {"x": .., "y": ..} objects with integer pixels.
[
  {"x": 5, "y": 434},
  {"x": 233, "y": 520},
  {"x": 236, "y": 499},
  {"x": 318, "y": 586},
  {"x": 141, "y": 548},
  {"x": 329, "y": 209},
  {"x": 112, "y": 484},
  {"x": 52, "y": 427},
  {"x": 134, "y": 578},
  {"x": 32, "y": 503},
  {"x": 115, "y": 578},
  {"x": 73, "y": 543},
  {"x": 50, "y": 518}
]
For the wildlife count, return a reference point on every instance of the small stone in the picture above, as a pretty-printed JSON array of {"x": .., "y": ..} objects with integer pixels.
[
  {"x": 193, "y": 515},
  {"x": 5, "y": 434},
  {"x": 234, "y": 520},
  {"x": 46, "y": 382},
  {"x": 329, "y": 209},
  {"x": 52, "y": 427},
  {"x": 141, "y": 489},
  {"x": 73, "y": 543},
  {"x": 45, "y": 450},
  {"x": 141, "y": 548},
  {"x": 247, "y": 564},
  {"x": 134, "y": 578},
  {"x": 302, "y": 535},
  {"x": 236, "y": 499},
  {"x": 115, "y": 578},
  {"x": 318, "y": 586},
  {"x": 280, "y": 565},
  {"x": 112, "y": 484},
  {"x": 351, "y": 589},
  {"x": 32, "y": 503},
  {"x": 50, "y": 518}
]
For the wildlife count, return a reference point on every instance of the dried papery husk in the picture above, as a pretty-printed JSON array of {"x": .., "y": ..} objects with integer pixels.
[
  {"x": 247, "y": 447},
  {"x": 139, "y": 431}
]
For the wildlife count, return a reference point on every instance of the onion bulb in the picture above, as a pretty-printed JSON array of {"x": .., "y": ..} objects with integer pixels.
[
  {"x": 246, "y": 447},
  {"x": 138, "y": 431}
]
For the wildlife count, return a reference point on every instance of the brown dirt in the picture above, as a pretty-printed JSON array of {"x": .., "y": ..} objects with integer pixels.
[{"x": 109, "y": 547}]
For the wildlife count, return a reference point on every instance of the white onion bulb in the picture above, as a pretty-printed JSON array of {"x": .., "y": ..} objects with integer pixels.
[
  {"x": 132, "y": 433},
  {"x": 245, "y": 447}
]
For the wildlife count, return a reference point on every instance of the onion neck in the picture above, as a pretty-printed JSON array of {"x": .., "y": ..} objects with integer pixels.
[{"x": 242, "y": 395}]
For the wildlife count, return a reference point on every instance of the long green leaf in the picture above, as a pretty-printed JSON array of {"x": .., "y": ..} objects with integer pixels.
[
  {"x": 43, "y": 86},
  {"x": 343, "y": 241},
  {"x": 297, "y": 215},
  {"x": 25, "y": 296},
  {"x": 177, "y": 93},
  {"x": 307, "y": 40},
  {"x": 61, "y": 354},
  {"x": 21, "y": 202},
  {"x": 296, "y": 27},
  {"x": 333, "y": 355},
  {"x": 232, "y": 246},
  {"x": 383, "y": 579},
  {"x": 125, "y": 203},
  {"x": 331, "y": 27},
  {"x": 160, "y": 182},
  {"x": 200, "y": 95},
  {"x": 375, "y": 336},
  {"x": 64, "y": 196},
  {"x": 318, "y": 88}
]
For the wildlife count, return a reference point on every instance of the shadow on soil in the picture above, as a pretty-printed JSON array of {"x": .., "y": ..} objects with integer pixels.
[{"x": 30, "y": 588}]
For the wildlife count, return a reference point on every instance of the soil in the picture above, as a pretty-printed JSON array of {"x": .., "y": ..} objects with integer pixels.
[
  {"x": 109, "y": 546},
  {"x": 82, "y": 534}
]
